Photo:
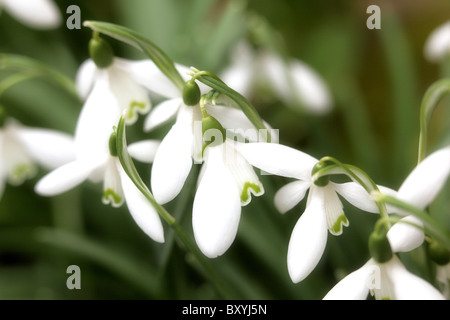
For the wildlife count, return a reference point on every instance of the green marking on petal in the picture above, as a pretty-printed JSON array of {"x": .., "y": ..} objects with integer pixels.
[
  {"x": 250, "y": 188},
  {"x": 22, "y": 172},
  {"x": 337, "y": 227},
  {"x": 110, "y": 196},
  {"x": 135, "y": 108}
]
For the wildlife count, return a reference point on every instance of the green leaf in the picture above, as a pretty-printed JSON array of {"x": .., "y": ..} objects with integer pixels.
[
  {"x": 29, "y": 68},
  {"x": 134, "y": 39}
]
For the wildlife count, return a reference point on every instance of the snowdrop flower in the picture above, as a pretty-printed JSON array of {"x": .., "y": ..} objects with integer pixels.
[
  {"x": 96, "y": 160},
  {"x": 23, "y": 148},
  {"x": 324, "y": 211},
  {"x": 38, "y": 14},
  {"x": 386, "y": 277},
  {"x": 437, "y": 46},
  {"x": 226, "y": 183},
  {"x": 293, "y": 82},
  {"x": 182, "y": 144}
]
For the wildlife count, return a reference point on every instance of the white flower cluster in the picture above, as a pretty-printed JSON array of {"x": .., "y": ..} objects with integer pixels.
[{"x": 227, "y": 179}]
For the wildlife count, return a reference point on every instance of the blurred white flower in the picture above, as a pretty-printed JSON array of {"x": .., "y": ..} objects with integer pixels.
[
  {"x": 23, "y": 148},
  {"x": 324, "y": 210},
  {"x": 293, "y": 82},
  {"x": 225, "y": 184},
  {"x": 437, "y": 46},
  {"x": 38, "y": 14}
]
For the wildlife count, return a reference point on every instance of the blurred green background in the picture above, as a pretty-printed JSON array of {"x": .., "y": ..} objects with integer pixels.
[{"x": 377, "y": 79}]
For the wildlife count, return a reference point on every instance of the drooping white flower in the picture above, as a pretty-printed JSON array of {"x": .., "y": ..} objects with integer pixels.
[
  {"x": 182, "y": 145},
  {"x": 388, "y": 280},
  {"x": 437, "y": 46},
  {"x": 23, "y": 148},
  {"x": 293, "y": 82},
  {"x": 38, "y": 14},
  {"x": 226, "y": 183},
  {"x": 324, "y": 211},
  {"x": 96, "y": 162}
]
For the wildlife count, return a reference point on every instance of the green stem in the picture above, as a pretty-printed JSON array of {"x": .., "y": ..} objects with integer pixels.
[
  {"x": 358, "y": 176},
  {"x": 430, "y": 101},
  {"x": 433, "y": 228}
]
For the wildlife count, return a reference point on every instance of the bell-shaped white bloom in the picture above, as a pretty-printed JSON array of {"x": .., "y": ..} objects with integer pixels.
[
  {"x": 23, "y": 148},
  {"x": 437, "y": 46},
  {"x": 226, "y": 183},
  {"x": 38, "y": 14},
  {"x": 386, "y": 281},
  {"x": 324, "y": 211},
  {"x": 182, "y": 145},
  {"x": 293, "y": 82}
]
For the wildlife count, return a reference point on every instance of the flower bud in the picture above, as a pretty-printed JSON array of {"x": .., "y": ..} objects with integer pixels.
[
  {"x": 212, "y": 131},
  {"x": 101, "y": 52},
  {"x": 191, "y": 93},
  {"x": 439, "y": 253},
  {"x": 324, "y": 180},
  {"x": 379, "y": 247},
  {"x": 113, "y": 144}
]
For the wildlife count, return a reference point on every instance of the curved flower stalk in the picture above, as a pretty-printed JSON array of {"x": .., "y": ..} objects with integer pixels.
[
  {"x": 293, "y": 82},
  {"x": 324, "y": 211},
  {"x": 437, "y": 46},
  {"x": 386, "y": 280},
  {"x": 23, "y": 148},
  {"x": 38, "y": 14}
]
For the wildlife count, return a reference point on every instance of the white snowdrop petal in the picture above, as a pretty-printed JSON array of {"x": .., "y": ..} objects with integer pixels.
[
  {"x": 356, "y": 195},
  {"x": 162, "y": 113},
  {"x": 131, "y": 96},
  {"x": 173, "y": 159},
  {"x": 144, "y": 150},
  {"x": 148, "y": 75},
  {"x": 290, "y": 195},
  {"x": 354, "y": 286},
  {"x": 143, "y": 213},
  {"x": 39, "y": 14},
  {"x": 49, "y": 148},
  {"x": 217, "y": 208},
  {"x": 308, "y": 240},
  {"x": 405, "y": 237},
  {"x": 85, "y": 78},
  {"x": 99, "y": 115},
  {"x": 65, "y": 177},
  {"x": 278, "y": 159},
  {"x": 408, "y": 286},
  {"x": 427, "y": 179},
  {"x": 309, "y": 88},
  {"x": 437, "y": 46}
]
